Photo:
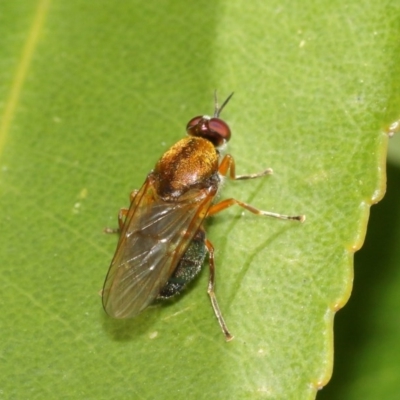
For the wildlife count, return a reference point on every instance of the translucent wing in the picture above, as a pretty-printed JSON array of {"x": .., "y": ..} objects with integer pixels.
[{"x": 155, "y": 235}]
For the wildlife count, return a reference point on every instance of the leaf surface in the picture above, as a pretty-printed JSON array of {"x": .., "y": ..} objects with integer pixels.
[{"x": 93, "y": 93}]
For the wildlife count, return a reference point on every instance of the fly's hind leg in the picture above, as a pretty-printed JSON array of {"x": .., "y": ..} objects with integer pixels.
[
  {"x": 121, "y": 216},
  {"x": 211, "y": 291}
]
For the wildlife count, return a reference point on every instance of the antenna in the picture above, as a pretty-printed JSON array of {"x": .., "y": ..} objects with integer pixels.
[{"x": 218, "y": 110}]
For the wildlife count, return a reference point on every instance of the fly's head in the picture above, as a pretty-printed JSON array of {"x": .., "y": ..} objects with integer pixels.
[{"x": 214, "y": 129}]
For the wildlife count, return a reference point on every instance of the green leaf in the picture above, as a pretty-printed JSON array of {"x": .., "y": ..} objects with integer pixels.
[
  {"x": 93, "y": 93},
  {"x": 367, "y": 330}
]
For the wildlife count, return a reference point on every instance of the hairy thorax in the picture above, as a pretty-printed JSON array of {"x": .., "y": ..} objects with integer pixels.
[{"x": 190, "y": 163}]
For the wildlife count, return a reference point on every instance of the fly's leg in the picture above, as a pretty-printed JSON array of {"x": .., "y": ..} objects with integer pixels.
[
  {"x": 121, "y": 216},
  {"x": 216, "y": 208},
  {"x": 121, "y": 219},
  {"x": 211, "y": 292},
  {"x": 228, "y": 164}
]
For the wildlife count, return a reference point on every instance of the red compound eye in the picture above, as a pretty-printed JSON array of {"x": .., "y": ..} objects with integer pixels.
[
  {"x": 214, "y": 129},
  {"x": 221, "y": 128},
  {"x": 192, "y": 124}
]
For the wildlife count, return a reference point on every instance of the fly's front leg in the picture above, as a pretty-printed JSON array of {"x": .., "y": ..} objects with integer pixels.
[
  {"x": 211, "y": 291},
  {"x": 121, "y": 216},
  {"x": 228, "y": 164}
]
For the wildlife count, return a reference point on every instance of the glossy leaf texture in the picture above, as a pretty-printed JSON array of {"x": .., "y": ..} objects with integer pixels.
[{"x": 92, "y": 93}]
